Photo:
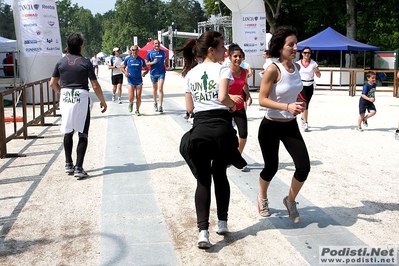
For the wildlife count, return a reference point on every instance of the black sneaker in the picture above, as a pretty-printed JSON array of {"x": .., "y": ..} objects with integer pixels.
[
  {"x": 69, "y": 169},
  {"x": 80, "y": 173}
]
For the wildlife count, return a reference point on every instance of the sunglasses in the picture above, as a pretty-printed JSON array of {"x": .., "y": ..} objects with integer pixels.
[
  {"x": 306, "y": 52},
  {"x": 135, "y": 49}
]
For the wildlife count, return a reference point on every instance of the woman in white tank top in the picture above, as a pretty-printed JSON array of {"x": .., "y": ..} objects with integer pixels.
[
  {"x": 309, "y": 68},
  {"x": 279, "y": 90}
]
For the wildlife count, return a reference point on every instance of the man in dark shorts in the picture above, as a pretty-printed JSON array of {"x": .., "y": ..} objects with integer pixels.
[{"x": 116, "y": 65}]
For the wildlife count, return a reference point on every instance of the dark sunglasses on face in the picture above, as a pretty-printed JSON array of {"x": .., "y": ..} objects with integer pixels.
[
  {"x": 306, "y": 52},
  {"x": 134, "y": 49}
]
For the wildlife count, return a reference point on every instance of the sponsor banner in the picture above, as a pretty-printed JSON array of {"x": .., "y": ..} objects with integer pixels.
[
  {"x": 384, "y": 60},
  {"x": 40, "y": 32},
  {"x": 254, "y": 33},
  {"x": 360, "y": 255}
]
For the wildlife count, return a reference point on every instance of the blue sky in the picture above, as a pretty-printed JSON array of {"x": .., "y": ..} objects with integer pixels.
[{"x": 96, "y": 6}]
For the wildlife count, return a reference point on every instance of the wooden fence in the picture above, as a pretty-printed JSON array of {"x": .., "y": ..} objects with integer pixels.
[
  {"x": 352, "y": 80},
  {"x": 23, "y": 114}
]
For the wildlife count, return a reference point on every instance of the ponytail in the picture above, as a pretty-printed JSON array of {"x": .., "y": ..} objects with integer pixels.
[{"x": 188, "y": 55}]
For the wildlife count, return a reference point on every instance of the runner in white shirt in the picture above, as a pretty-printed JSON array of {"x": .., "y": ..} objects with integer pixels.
[
  {"x": 308, "y": 69},
  {"x": 94, "y": 61}
]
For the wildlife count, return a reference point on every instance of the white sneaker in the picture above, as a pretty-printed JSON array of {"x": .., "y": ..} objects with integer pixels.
[
  {"x": 203, "y": 239},
  {"x": 221, "y": 228},
  {"x": 397, "y": 134},
  {"x": 245, "y": 169},
  {"x": 305, "y": 127},
  {"x": 113, "y": 97}
]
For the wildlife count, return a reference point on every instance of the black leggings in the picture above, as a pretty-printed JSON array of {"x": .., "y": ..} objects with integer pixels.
[
  {"x": 307, "y": 93},
  {"x": 210, "y": 166},
  {"x": 82, "y": 144},
  {"x": 240, "y": 118},
  {"x": 217, "y": 170},
  {"x": 269, "y": 136}
]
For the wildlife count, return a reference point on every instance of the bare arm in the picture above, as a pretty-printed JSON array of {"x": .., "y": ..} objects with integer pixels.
[
  {"x": 149, "y": 63},
  {"x": 54, "y": 84},
  {"x": 224, "y": 97},
  {"x": 250, "y": 72},
  {"x": 271, "y": 76},
  {"x": 99, "y": 93},
  {"x": 189, "y": 103},
  {"x": 166, "y": 62},
  {"x": 317, "y": 72},
  {"x": 364, "y": 96},
  {"x": 124, "y": 70},
  {"x": 145, "y": 72},
  {"x": 246, "y": 90}
]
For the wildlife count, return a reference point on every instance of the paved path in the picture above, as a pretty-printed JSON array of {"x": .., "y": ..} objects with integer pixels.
[
  {"x": 133, "y": 199},
  {"x": 129, "y": 206}
]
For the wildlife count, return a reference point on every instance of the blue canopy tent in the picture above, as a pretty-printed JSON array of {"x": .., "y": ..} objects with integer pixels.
[{"x": 331, "y": 40}]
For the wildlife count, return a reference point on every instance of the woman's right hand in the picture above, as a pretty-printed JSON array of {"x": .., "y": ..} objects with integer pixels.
[
  {"x": 236, "y": 98},
  {"x": 232, "y": 109}
]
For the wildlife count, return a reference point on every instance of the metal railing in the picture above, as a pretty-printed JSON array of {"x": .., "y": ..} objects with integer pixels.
[{"x": 23, "y": 115}]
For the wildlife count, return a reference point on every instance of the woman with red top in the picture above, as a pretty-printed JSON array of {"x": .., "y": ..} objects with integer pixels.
[
  {"x": 239, "y": 93},
  {"x": 308, "y": 69}
]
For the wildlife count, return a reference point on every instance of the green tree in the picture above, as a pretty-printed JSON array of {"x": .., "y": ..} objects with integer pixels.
[
  {"x": 86, "y": 24},
  {"x": 273, "y": 10},
  {"x": 7, "y": 29},
  {"x": 73, "y": 18},
  {"x": 66, "y": 18},
  {"x": 378, "y": 24},
  {"x": 124, "y": 24},
  {"x": 185, "y": 15},
  {"x": 216, "y": 7}
]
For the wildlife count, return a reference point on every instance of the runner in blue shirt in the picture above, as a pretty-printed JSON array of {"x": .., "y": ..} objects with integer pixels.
[
  {"x": 132, "y": 67},
  {"x": 158, "y": 61}
]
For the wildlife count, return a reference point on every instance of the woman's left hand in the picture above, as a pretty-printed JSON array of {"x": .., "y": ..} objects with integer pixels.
[{"x": 296, "y": 108}]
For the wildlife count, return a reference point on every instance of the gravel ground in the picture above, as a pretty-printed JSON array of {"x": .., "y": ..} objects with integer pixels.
[{"x": 49, "y": 218}]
